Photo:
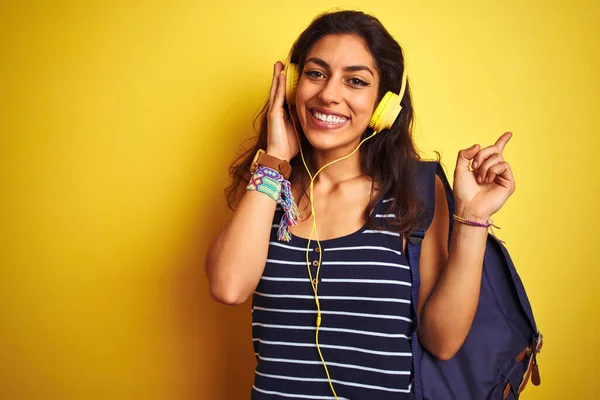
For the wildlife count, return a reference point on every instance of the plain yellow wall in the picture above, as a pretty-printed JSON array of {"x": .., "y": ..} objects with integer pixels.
[{"x": 118, "y": 122}]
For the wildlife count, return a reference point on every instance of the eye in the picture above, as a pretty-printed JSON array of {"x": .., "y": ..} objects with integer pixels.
[
  {"x": 357, "y": 82},
  {"x": 314, "y": 74}
]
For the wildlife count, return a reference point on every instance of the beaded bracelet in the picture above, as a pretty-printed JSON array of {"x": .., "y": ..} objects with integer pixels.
[{"x": 270, "y": 182}]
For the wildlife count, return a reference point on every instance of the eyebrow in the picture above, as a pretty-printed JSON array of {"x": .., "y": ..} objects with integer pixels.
[{"x": 323, "y": 64}]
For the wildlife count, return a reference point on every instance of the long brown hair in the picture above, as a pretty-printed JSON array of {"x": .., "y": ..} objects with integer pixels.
[{"x": 389, "y": 158}]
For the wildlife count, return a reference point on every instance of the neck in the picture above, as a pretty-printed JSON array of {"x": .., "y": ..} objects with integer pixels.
[{"x": 338, "y": 172}]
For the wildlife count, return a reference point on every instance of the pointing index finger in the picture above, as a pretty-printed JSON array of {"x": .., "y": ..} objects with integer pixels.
[{"x": 502, "y": 140}]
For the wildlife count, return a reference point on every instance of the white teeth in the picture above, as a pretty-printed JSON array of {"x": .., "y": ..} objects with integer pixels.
[{"x": 330, "y": 119}]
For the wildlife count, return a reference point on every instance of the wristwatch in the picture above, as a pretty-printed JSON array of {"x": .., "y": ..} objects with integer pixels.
[{"x": 279, "y": 165}]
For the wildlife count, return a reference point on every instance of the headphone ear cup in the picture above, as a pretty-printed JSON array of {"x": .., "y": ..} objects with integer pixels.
[
  {"x": 291, "y": 82},
  {"x": 386, "y": 112}
]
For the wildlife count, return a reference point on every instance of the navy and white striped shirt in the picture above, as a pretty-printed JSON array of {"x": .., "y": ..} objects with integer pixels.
[{"x": 364, "y": 292}]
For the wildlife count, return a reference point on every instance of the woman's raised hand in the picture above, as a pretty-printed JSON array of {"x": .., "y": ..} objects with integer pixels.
[
  {"x": 281, "y": 137},
  {"x": 483, "y": 189}
]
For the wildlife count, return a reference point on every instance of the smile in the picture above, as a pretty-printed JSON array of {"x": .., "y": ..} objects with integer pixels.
[{"x": 328, "y": 118}]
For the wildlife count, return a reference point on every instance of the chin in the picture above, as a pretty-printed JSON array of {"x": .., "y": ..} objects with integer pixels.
[{"x": 328, "y": 141}]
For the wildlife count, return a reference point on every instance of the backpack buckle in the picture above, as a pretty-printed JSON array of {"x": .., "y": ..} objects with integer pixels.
[
  {"x": 532, "y": 366},
  {"x": 415, "y": 240}
]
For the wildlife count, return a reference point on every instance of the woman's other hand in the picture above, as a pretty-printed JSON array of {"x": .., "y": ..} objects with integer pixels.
[
  {"x": 281, "y": 137},
  {"x": 482, "y": 188}
]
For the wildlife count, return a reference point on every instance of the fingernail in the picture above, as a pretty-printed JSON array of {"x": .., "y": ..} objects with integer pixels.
[
  {"x": 475, "y": 164},
  {"x": 479, "y": 179}
]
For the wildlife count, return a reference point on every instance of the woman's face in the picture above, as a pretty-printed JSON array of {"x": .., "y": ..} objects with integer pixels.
[{"x": 337, "y": 92}]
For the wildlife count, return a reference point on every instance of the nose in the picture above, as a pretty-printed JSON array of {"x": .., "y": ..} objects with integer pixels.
[{"x": 331, "y": 92}]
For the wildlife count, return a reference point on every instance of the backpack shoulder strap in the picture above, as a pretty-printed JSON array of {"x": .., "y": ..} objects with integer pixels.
[{"x": 426, "y": 173}]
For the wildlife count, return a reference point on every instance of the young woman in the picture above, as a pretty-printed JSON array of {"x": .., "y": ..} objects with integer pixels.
[{"x": 332, "y": 318}]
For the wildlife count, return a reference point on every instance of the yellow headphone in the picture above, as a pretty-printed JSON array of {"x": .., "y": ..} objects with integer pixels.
[{"x": 383, "y": 117}]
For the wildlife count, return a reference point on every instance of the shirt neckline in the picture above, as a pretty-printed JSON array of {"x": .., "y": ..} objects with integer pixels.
[{"x": 300, "y": 239}]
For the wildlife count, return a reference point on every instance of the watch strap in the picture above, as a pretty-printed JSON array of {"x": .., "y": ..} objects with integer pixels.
[{"x": 267, "y": 160}]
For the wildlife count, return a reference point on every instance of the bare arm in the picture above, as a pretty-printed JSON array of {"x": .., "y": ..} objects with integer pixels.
[
  {"x": 237, "y": 256},
  {"x": 451, "y": 280}
]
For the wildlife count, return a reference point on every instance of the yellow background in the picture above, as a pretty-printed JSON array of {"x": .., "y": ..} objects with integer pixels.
[{"x": 118, "y": 123}]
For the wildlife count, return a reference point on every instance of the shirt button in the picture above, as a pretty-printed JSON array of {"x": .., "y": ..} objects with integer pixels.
[
  {"x": 315, "y": 263},
  {"x": 317, "y": 249}
]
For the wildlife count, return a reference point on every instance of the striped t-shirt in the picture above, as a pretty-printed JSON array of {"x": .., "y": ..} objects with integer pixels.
[{"x": 364, "y": 291}]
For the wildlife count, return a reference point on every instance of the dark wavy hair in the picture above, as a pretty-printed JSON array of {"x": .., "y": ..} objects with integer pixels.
[{"x": 389, "y": 158}]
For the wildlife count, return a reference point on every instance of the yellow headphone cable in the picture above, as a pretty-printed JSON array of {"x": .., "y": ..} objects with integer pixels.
[{"x": 383, "y": 117}]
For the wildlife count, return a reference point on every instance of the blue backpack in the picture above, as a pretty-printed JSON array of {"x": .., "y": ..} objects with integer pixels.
[{"x": 498, "y": 356}]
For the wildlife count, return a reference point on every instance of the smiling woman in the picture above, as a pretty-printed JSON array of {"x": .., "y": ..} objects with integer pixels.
[
  {"x": 347, "y": 333},
  {"x": 337, "y": 93}
]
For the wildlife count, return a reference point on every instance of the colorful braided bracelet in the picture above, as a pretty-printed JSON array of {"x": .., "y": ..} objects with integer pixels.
[{"x": 270, "y": 182}]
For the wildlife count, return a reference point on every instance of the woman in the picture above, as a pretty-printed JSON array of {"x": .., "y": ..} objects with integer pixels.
[{"x": 366, "y": 203}]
